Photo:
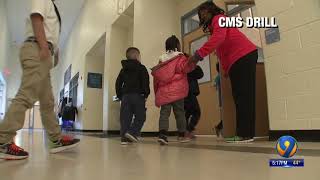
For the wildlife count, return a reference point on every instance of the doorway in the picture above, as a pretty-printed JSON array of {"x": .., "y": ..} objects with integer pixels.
[
  {"x": 208, "y": 98},
  {"x": 33, "y": 118},
  {"x": 194, "y": 38},
  {"x": 192, "y": 35},
  {"x": 247, "y": 9},
  {"x": 3, "y": 97},
  {"x": 121, "y": 37},
  {"x": 92, "y": 110}
]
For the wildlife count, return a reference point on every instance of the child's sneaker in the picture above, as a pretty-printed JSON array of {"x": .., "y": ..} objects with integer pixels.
[
  {"x": 183, "y": 138},
  {"x": 125, "y": 141},
  {"x": 132, "y": 137},
  {"x": 63, "y": 144},
  {"x": 163, "y": 139},
  {"x": 12, "y": 152},
  {"x": 191, "y": 135},
  {"x": 140, "y": 138}
]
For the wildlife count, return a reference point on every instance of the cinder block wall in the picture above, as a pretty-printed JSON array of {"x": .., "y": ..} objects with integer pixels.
[{"x": 293, "y": 64}]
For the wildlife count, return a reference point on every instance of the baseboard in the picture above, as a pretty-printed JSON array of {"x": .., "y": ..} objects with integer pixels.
[
  {"x": 156, "y": 134},
  {"x": 87, "y": 131},
  {"x": 112, "y": 133},
  {"x": 116, "y": 133},
  {"x": 299, "y": 135},
  {"x": 143, "y": 134}
]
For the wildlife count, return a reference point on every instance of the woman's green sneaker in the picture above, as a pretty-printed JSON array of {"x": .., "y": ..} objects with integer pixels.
[{"x": 238, "y": 139}]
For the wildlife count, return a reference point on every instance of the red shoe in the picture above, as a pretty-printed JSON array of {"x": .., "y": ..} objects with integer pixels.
[
  {"x": 12, "y": 152},
  {"x": 63, "y": 144}
]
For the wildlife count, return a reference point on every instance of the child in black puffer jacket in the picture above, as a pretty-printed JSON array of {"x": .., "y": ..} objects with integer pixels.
[{"x": 191, "y": 104}]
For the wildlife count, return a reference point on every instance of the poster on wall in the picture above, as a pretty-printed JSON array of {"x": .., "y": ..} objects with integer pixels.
[
  {"x": 94, "y": 80},
  {"x": 61, "y": 95},
  {"x": 67, "y": 75},
  {"x": 272, "y": 35},
  {"x": 205, "y": 64},
  {"x": 66, "y": 90}
]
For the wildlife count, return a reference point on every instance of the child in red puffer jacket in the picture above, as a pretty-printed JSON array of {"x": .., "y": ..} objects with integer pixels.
[{"x": 171, "y": 87}]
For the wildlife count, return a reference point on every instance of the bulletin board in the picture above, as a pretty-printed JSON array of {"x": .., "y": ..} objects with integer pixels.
[
  {"x": 205, "y": 64},
  {"x": 67, "y": 75},
  {"x": 94, "y": 80}
]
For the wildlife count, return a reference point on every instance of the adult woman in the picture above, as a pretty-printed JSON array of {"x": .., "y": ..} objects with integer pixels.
[{"x": 238, "y": 57}]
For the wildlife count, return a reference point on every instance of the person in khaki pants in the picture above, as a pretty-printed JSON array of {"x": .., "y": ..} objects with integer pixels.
[{"x": 43, "y": 29}]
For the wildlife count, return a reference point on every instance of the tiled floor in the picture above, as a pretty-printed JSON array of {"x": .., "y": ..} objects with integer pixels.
[{"x": 206, "y": 158}]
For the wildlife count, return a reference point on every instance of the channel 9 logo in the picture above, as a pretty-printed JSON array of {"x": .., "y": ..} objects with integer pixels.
[{"x": 287, "y": 147}]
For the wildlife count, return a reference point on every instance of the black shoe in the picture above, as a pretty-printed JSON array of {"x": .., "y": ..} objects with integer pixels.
[
  {"x": 218, "y": 129},
  {"x": 12, "y": 152},
  {"x": 125, "y": 141},
  {"x": 132, "y": 137},
  {"x": 163, "y": 139}
]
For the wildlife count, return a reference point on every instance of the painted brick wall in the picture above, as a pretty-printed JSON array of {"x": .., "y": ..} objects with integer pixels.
[{"x": 293, "y": 64}]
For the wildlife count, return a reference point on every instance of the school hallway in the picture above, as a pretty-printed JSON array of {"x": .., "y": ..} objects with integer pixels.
[
  {"x": 88, "y": 48},
  {"x": 204, "y": 159}
]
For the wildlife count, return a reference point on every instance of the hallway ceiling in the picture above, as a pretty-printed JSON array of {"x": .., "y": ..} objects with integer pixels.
[{"x": 17, "y": 13}]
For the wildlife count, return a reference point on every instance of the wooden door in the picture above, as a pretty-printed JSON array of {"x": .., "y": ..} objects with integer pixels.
[{"x": 208, "y": 98}]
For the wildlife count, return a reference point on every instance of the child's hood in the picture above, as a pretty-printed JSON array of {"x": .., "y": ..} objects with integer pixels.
[
  {"x": 166, "y": 59},
  {"x": 169, "y": 55},
  {"x": 166, "y": 70},
  {"x": 130, "y": 64}
]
